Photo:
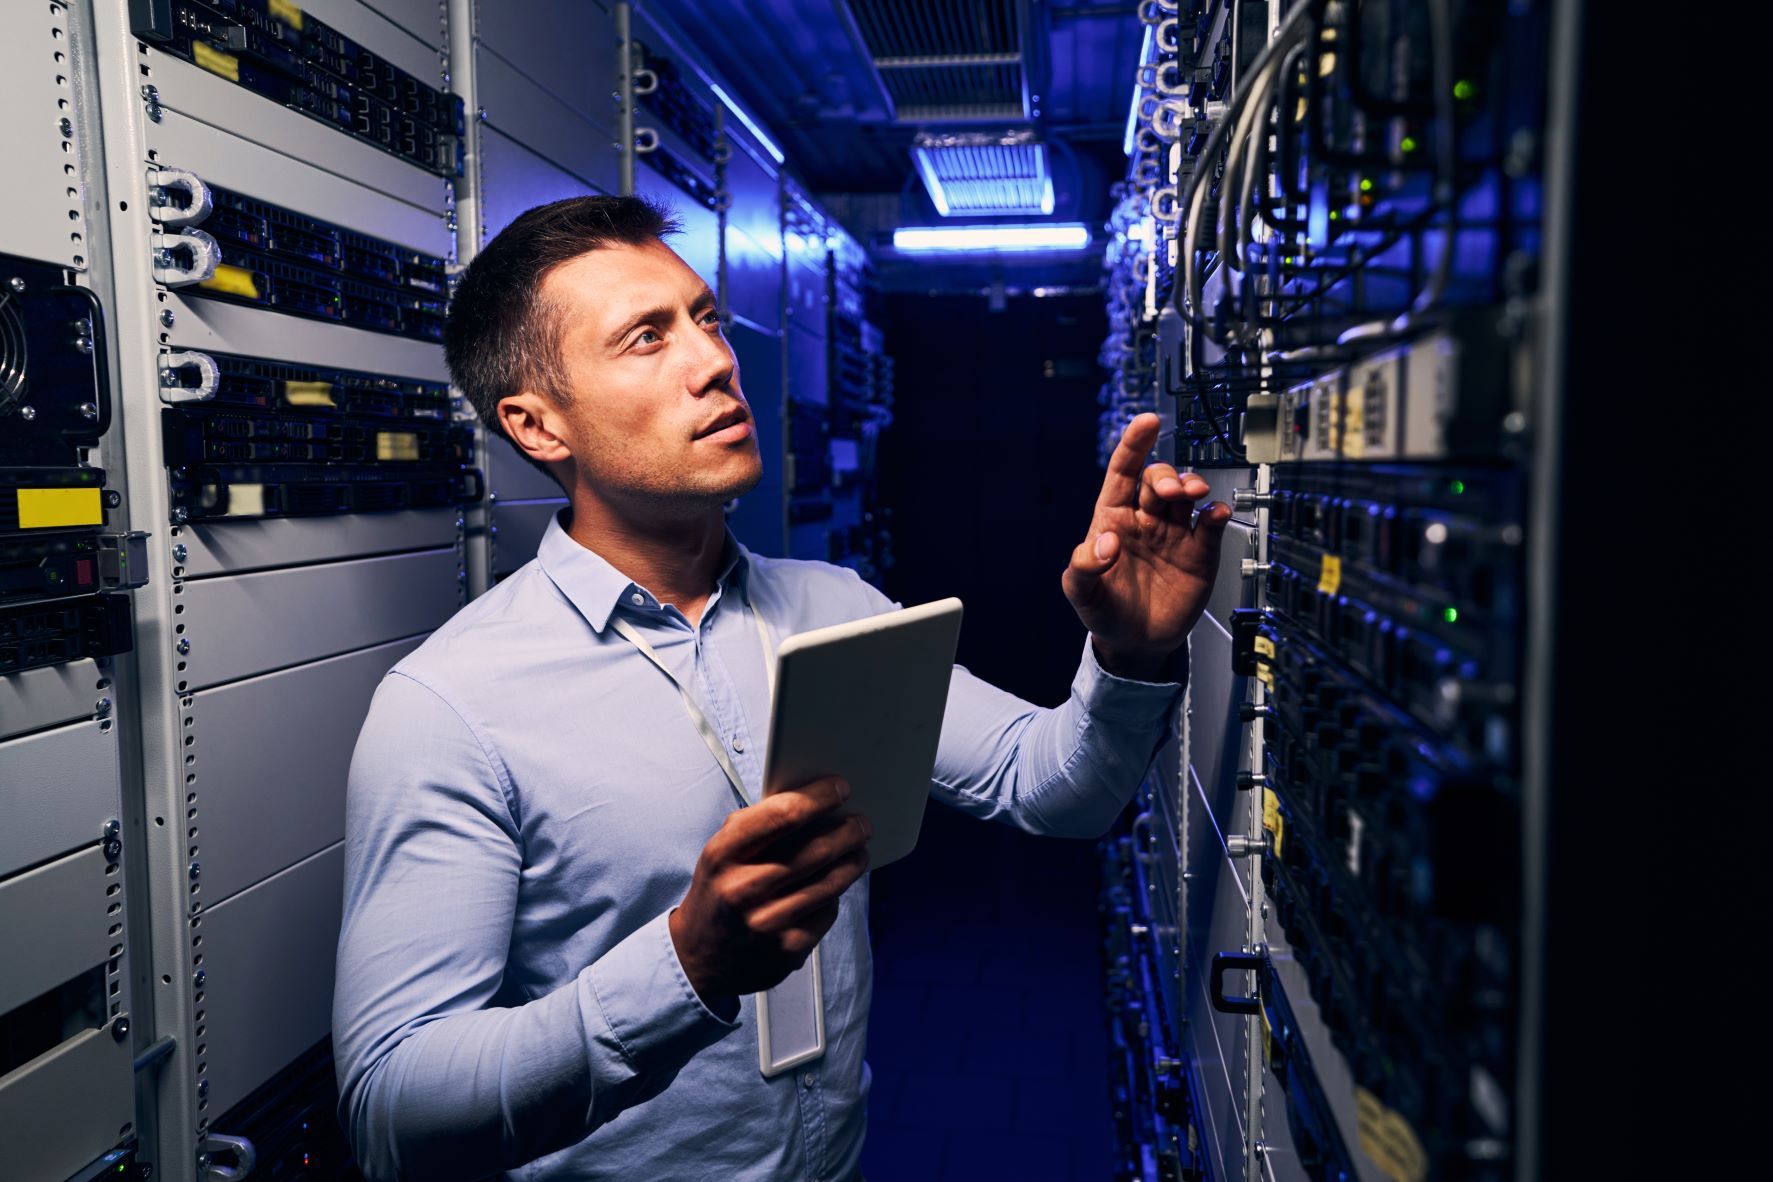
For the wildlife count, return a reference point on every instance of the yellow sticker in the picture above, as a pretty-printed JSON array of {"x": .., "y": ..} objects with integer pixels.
[
  {"x": 233, "y": 281},
  {"x": 215, "y": 61},
  {"x": 286, "y": 12},
  {"x": 1329, "y": 578},
  {"x": 1267, "y": 1039},
  {"x": 1354, "y": 424},
  {"x": 1388, "y": 1139},
  {"x": 246, "y": 500},
  {"x": 397, "y": 445},
  {"x": 1264, "y": 674},
  {"x": 1265, "y": 645},
  {"x": 1272, "y": 820},
  {"x": 58, "y": 508},
  {"x": 308, "y": 394}
]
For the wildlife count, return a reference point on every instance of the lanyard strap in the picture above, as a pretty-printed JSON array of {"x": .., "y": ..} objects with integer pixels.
[{"x": 710, "y": 737}]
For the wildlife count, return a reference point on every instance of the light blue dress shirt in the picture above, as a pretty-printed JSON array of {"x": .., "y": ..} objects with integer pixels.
[{"x": 527, "y": 802}]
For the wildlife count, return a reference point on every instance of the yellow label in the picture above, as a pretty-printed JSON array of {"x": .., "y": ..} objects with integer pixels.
[
  {"x": 1329, "y": 578},
  {"x": 397, "y": 445},
  {"x": 1267, "y": 1039},
  {"x": 286, "y": 12},
  {"x": 308, "y": 394},
  {"x": 1354, "y": 424},
  {"x": 215, "y": 61},
  {"x": 1265, "y": 645},
  {"x": 58, "y": 508},
  {"x": 233, "y": 281},
  {"x": 1388, "y": 1139},
  {"x": 246, "y": 500},
  {"x": 1264, "y": 674},
  {"x": 1272, "y": 820}
]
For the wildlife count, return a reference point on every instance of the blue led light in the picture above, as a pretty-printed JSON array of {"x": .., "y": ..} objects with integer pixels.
[
  {"x": 986, "y": 239},
  {"x": 739, "y": 114}
]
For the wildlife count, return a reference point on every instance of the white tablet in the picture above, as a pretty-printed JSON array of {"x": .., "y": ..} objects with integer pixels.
[{"x": 864, "y": 701}]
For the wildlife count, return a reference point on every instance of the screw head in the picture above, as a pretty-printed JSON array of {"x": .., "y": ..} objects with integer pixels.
[
  {"x": 67, "y": 129},
  {"x": 179, "y": 552},
  {"x": 180, "y": 516},
  {"x": 203, "y": 1088},
  {"x": 27, "y": 413},
  {"x": 16, "y": 283},
  {"x": 120, "y": 1029},
  {"x": 88, "y": 411},
  {"x": 166, "y": 317},
  {"x": 184, "y": 645},
  {"x": 113, "y": 850},
  {"x": 103, "y": 706},
  {"x": 196, "y": 869}
]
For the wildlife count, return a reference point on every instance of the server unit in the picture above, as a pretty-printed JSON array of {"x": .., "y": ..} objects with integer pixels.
[{"x": 1325, "y": 281}]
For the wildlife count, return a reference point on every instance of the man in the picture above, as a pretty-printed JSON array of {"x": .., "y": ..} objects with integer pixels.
[{"x": 555, "y": 914}]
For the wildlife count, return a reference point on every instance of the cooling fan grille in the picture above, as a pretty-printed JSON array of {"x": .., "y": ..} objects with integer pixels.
[{"x": 12, "y": 351}]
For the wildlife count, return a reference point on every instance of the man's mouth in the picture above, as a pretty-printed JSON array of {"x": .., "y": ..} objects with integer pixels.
[{"x": 730, "y": 427}]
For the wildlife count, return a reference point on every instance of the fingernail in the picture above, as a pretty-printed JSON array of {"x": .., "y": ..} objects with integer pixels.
[
  {"x": 1102, "y": 544},
  {"x": 843, "y": 789}
]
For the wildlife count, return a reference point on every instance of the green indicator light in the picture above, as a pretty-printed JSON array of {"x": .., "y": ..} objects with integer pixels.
[
  {"x": 1450, "y": 615},
  {"x": 1463, "y": 89},
  {"x": 1456, "y": 487},
  {"x": 1335, "y": 215},
  {"x": 1366, "y": 184},
  {"x": 1409, "y": 143}
]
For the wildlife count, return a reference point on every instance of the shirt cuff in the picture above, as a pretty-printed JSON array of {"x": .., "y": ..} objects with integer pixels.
[
  {"x": 649, "y": 1012},
  {"x": 1109, "y": 696}
]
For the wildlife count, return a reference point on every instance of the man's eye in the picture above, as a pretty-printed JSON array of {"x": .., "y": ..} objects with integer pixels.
[
  {"x": 712, "y": 317},
  {"x": 647, "y": 337}
]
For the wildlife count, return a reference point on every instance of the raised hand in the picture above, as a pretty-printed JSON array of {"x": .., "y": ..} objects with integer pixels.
[
  {"x": 766, "y": 889},
  {"x": 1140, "y": 578}
]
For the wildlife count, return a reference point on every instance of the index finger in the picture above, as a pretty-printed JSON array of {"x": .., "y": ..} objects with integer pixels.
[
  {"x": 780, "y": 813},
  {"x": 1120, "y": 486}
]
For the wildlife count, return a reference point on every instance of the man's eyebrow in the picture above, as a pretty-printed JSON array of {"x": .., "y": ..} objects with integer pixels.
[{"x": 661, "y": 312}]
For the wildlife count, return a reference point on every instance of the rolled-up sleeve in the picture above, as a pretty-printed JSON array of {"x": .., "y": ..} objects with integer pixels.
[{"x": 440, "y": 1077}]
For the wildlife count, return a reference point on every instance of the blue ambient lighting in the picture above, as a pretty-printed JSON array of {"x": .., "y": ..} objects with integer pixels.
[
  {"x": 1138, "y": 91},
  {"x": 979, "y": 175},
  {"x": 738, "y": 113},
  {"x": 956, "y": 239}
]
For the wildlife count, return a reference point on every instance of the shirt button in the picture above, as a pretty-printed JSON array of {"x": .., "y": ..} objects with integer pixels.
[
  {"x": 739, "y": 743},
  {"x": 637, "y": 599},
  {"x": 806, "y": 1079}
]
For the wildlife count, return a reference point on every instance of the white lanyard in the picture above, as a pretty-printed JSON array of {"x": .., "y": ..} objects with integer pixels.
[{"x": 710, "y": 736}]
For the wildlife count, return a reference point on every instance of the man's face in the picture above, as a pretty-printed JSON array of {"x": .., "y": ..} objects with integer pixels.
[{"x": 656, "y": 412}]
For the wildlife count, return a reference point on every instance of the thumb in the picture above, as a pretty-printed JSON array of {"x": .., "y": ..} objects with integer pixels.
[
  {"x": 1209, "y": 532},
  {"x": 1093, "y": 558}
]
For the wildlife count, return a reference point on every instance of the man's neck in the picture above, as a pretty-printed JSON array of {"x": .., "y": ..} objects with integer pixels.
[{"x": 676, "y": 556}]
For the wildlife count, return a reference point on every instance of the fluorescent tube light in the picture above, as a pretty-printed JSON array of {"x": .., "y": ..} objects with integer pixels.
[
  {"x": 985, "y": 239},
  {"x": 738, "y": 113}
]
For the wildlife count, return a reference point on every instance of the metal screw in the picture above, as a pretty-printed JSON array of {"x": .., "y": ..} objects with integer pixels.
[
  {"x": 184, "y": 645},
  {"x": 203, "y": 1088},
  {"x": 101, "y": 708},
  {"x": 166, "y": 317},
  {"x": 179, "y": 552},
  {"x": 88, "y": 411},
  {"x": 113, "y": 850},
  {"x": 196, "y": 869},
  {"x": 198, "y": 978},
  {"x": 67, "y": 129},
  {"x": 1245, "y": 499},
  {"x": 27, "y": 413},
  {"x": 179, "y": 516},
  {"x": 1240, "y": 846},
  {"x": 16, "y": 283},
  {"x": 120, "y": 1029},
  {"x": 1250, "y": 568},
  {"x": 113, "y": 828},
  {"x": 1515, "y": 423}
]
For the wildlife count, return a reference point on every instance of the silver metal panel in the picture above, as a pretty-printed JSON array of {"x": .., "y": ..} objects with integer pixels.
[
  {"x": 239, "y": 625},
  {"x": 273, "y": 753},
  {"x": 807, "y": 363},
  {"x": 523, "y": 110},
  {"x": 757, "y": 200},
  {"x": 1327, "y": 1064},
  {"x": 65, "y": 1108},
  {"x": 1217, "y": 1042},
  {"x": 753, "y": 280},
  {"x": 514, "y": 179},
  {"x": 510, "y": 477},
  {"x": 268, "y": 958},
  {"x": 213, "y": 326},
  {"x": 58, "y": 789},
  {"x": 311, "y": 185},
  {"x": 569, "y": 49},
  {"x": 519, "y": 530},
  {"x": 45, "y": 211},
  {"x": 53, "y": 925},
  {"x": 421, "y": 18},
  {"x": 699, "y": 244},
  {"x": 376, "y": 33},
  {"x": 236, "y": 546},
  {"x": 1218, "y": 744},
  {"x": 38, "y": 698},
  {"x": 188, "y": 92}
]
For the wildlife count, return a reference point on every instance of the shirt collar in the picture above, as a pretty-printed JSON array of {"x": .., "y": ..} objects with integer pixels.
[{"x": 597, "y": 588}]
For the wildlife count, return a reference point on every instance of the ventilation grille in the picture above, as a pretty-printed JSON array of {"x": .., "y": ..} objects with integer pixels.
[
  {"x": 980, "y": 174},
  {"x": 947, "y": 60}
]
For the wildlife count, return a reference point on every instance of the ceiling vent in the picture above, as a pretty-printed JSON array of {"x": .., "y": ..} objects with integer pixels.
[
  {"x": 947, "y": 61},
  {"x": 980, "y": 174}
]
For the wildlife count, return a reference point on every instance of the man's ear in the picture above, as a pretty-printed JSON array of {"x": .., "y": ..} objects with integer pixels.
[{"x": 534, "y": 424}]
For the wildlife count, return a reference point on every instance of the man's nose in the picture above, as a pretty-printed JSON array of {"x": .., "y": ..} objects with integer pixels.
[{"x": 712, "y": 365}]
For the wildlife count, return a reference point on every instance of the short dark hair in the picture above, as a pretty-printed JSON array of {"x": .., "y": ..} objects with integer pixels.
[{"x": 501, "y": 335}]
